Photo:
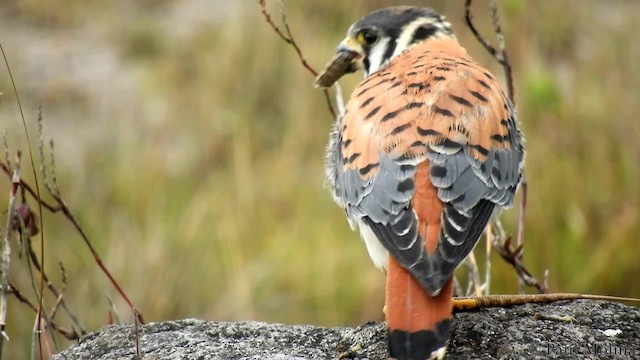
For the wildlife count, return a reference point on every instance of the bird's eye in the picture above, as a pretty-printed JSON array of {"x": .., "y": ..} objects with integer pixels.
[{"x": 367, "y": 37}]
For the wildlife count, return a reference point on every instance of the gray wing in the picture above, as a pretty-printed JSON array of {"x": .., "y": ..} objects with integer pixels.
[{"x": 469, "y": 188}]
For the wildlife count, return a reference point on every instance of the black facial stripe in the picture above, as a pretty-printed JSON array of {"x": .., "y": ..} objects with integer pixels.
[
  {"x": 395, "y": 18},
  {"x": 391, "y": 47},
  {"x": 388, "y": 23},
  {"x": 366, "y": 63},
  {"x": 423, "y": 32}
]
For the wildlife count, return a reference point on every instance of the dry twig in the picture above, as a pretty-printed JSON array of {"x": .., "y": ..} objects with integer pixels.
[
  {"x": 474, "y": 284},
  {"x": 514, "y": 258},
  {"x": 500, "y": 54},
  {"x": 69, "y": 334},
  {"x": 289, "y": 39},
  {"x": 520, "y": 236},
  {"x": 49, "y": 174},
  {"x": 26, "y": 134},
  {"x": 59, "y": 294},
  {"x": 503, "y": 51},
  {"x": 6, "y": 251},
  {"x": 26, "y": 225},
  {"x": 501, "y": 242},
  {"x": 60, "y": 298}
]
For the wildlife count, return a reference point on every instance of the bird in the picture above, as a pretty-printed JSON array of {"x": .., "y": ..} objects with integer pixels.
[{"x": 428, "y": 148}]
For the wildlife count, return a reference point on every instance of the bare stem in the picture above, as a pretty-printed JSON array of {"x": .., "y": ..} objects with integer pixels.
[
  {"x": 289, "y": 39},
  {"x": 54, "y": 190},
  {"x": 58, "y": 294},
  {"x": 514, "y": 258},
  {"x": 70, "y": 334},
  {"x": 474, "y": 274},
  {"x": 468, "y": 16},
  {"x": 503, "y": 50},
  {"x": 67, "y": 213},
  {"x": 487, "y": 263},
  {"x": 499, "y": 54},
  {"x": 6, "y": 251},
  {"x": 502, "y": 242},
  {"x": 35, "y": 176}
]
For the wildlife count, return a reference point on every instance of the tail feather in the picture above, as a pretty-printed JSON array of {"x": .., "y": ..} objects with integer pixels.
[{"x": 418, "y": 323}]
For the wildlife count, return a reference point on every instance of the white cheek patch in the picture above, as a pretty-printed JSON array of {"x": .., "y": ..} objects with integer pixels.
[
  {"x": 376, "y": 56},
  {"x": 405, "y": 39}
]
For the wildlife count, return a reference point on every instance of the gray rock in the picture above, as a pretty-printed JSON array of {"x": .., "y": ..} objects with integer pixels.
[{"x": 563, "y": 330}]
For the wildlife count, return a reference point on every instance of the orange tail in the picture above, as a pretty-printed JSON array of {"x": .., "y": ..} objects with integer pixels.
[{"x": 418, "y": 323}]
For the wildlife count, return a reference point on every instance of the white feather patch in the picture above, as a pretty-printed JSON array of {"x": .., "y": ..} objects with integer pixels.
[
  {"x": 439, "y": 354},
  {"x": 376, "y": 56},
  {"x": 377, "y": 252},
  {"x": 404, "y": 40}
]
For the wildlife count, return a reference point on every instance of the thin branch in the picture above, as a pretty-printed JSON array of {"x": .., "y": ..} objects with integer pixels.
[
  {"x": 21, "y": 298},
  {"x": 52, "y": 187},
  {"x": 54, "y": 190},
  {"x": 136, "y": 330},
  {"x": 24, "y": 234},
  {"x": 52, "y": 179},
  {"x": 35, "y": 177},
  {"x": 56, "y": 305},
  {"x": 67, "y": 213},
  {"x": 503, "y": 50},
  {"x": 97, "y": 258},
  {"x": 6, "y": 251},
  {"x": 499, "y": 54},
  {"x": 487, "y": 260},
  {"x": 58, "y": 294},
  {"x": 44, "y": 172},
  {"x": 502, "y": 242},
  {"x": 52, "y": 208},
  {"x": 62, "y": 207},
  {"x": 514, "y": 258},
  {"x": 521, "y": 222},
  {"x": 5, "y": 141},
  {"x": 289, "y": 39},
  {"x": 474, "y": 274},
  {"x": 523, "y": 207},
  {"x": 457, "y": 289},
  {"x": 69, "y": 334},
  {"x": 468, "y": 17}
]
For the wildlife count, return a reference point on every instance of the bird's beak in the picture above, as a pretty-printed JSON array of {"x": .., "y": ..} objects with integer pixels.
[{"x": 345, "y": 61}]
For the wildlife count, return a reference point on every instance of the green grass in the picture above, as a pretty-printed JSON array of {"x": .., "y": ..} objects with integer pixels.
[{"x": 191, "y": 152}]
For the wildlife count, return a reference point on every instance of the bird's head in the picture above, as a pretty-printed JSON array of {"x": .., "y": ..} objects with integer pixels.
[{"x": 380, "y": 36}]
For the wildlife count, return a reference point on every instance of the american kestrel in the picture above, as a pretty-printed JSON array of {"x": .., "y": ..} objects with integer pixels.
[{"x": 427, "y": 150}]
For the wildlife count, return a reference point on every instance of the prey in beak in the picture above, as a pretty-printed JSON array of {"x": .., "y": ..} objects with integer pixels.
[{"x": 345, "y": 61}]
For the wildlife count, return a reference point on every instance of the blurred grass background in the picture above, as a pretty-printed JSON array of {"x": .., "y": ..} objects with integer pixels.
[{"x": 190, "y": 144}]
